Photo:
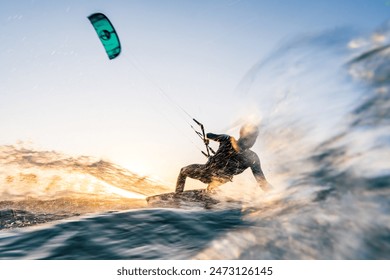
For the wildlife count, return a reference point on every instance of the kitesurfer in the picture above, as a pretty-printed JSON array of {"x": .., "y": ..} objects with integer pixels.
[{"x": 232, "y": 158}]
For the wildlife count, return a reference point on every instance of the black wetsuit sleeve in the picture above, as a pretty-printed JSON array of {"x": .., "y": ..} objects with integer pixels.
[
  {"x": 218, "y": 137},
  {"x": 256, "y": 169}
]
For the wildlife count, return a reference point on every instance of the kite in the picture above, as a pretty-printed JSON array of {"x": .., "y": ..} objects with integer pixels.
[{"x": 107, "y": 34}]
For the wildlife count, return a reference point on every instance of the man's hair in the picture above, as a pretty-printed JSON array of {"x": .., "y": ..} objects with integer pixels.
[
  {"x": 248, "y": 135},
  {"x": 249, "y": 130}
]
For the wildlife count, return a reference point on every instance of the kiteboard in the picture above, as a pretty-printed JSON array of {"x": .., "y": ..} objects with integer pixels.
[{"x": 191, "y": 198}]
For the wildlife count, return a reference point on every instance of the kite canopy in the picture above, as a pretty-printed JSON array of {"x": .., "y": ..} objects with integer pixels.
[{"x": 107, "y": 34}]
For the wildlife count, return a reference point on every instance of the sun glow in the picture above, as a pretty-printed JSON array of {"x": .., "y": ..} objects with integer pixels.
[{"x": 124, "y": 193}]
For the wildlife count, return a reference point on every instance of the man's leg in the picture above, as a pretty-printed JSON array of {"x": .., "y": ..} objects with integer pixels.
[{"x": 194, "y": 171}]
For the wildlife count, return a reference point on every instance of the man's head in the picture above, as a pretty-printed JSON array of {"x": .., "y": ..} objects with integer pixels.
[{"x": 248, "y": 135}]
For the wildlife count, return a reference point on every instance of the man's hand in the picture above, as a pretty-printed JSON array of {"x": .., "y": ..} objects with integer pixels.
[
  {"x": 206, "y": 141},
  {"x": 266, "y": 187}
]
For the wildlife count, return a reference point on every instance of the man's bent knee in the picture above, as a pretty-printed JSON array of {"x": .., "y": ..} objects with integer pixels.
[{"x": 184, "y": 171}]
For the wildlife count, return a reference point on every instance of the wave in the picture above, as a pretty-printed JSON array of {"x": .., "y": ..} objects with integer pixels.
[{"x": 53, "y": 184}]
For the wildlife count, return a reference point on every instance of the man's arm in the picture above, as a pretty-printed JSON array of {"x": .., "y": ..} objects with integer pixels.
[
  {"x": 259, "y": 175},
  {"x": 218, "y": 137}
]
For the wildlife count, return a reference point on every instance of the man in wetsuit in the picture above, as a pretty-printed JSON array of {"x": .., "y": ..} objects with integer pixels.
[{"x": 232, "y": 158}]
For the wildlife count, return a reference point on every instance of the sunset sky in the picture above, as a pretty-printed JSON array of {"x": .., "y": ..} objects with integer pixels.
[{"x": 59, "y": 91}]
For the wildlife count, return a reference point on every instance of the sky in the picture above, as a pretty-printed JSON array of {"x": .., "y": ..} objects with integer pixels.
[{"x": 59, "y": 91}]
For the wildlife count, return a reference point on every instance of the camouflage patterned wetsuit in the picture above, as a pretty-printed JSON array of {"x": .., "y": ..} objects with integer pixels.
[{"x": 231, "y": 158}]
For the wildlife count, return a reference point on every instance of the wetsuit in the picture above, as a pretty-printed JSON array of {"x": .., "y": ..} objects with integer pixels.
[{"x": 230, "y": 159}]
